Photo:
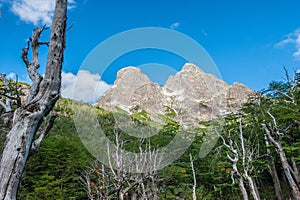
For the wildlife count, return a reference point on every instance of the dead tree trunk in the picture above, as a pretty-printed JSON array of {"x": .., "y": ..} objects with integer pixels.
[
  {"x": 295, "y": 171},
  {"x": 247, "y": 153},
  {"x": 43, "y": 95},
  {"x": 7, "y": 105},
  {"x": 118, "y": 179},
  {"x": 239, "y": 178},
  {"x": 283, "y": 159},
  {"x": 235, "y": 174},
  {"x": 272, "y": 170},
  {"x": 194, "y": 178}
]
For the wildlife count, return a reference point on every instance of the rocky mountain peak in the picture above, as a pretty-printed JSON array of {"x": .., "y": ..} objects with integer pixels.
[
  {"x": 189, "y": 67},
  {"x": 127, "y": 71},
  {"x": 191, "y": 95},
  {"x": 132, "y": 76},
  {"x": 132, "y": 91}
]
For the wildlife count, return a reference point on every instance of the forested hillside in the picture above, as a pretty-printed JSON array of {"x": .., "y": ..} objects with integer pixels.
[{"x": 257, "y": 156}]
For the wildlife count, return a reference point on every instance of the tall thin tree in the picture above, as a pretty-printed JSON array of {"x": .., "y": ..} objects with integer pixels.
[{"x": 43, "y": 95}]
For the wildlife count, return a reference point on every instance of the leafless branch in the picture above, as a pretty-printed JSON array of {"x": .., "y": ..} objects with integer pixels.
[
  {"x": 32, "y": 67},
  {"x": 119, "y": 176},
  {"x": 239, "y": 150},
  {"x": 37, "y": 143},
  {"x": 194, "y": 177},
  {"x": 280, "y": 151},
  {"x": 42, "y": 98},
  {"x": 274, "y": 123},
  {"x": 7, "y": 105},
  {"x": 287, "y": 77}
]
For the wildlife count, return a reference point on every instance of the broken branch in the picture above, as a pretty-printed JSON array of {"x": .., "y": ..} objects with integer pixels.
[{"x": 37, "y": 143}]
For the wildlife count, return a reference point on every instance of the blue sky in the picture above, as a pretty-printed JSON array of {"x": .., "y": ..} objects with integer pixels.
[{"x": 249, "y": 40}]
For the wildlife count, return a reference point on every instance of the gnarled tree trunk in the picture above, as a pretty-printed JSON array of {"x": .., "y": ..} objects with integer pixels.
[
  {"x": 284, "y": 162},
  {"x": 43, "y": 95},
  {"x": 235, "y": 174},
  {"x": 273, "y": 172}
]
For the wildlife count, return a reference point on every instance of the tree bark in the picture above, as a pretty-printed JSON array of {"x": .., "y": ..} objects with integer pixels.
[
  {"x": 7, "y": 104},
  {"x": 253, "y": 188},
  {"x": 242, "y": 188},
  {"x": 194, "y": 178},
  {"x": 272, "y": 170},
  {"x": 235, "y": 174},
  {"x": 295, "y": 172},
  {"x": 274, "y": 174},
  {"x": 284, "y": 163},
  {"x": 43, "y": 95},
  {"x": 245, "y": 153},
  {"x": 287, "y": 172},
  {"x": 239, "y": 177}
]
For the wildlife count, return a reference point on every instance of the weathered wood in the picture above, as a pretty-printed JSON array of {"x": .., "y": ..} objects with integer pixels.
[
  {"x": 247, "y": 153},
  {"x": 273, "y": 172},
  {"x": 43, "y": 95},
  {"x": 235, "y": 174},
  {"x": 194, "y": 178},
  {"x": 37, "y": 143},
  {"x": 7, "y": 104},
  {"x": 284, "y": 162}
]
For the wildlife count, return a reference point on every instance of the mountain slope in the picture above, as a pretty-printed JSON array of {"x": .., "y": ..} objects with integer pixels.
[{"x": 189, "y": 96}]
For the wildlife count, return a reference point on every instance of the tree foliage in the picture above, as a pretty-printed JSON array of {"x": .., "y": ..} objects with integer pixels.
[{"x": 54, "y": 172}]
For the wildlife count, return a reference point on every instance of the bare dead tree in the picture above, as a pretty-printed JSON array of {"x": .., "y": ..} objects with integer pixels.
[
  {"x": 273, "y": 171},
  {"x": 272, "y": 130},
  {"x": 235, "y": 173},
  {"x": 295, "y": 171},
  {"x": 194, "y": 177},
  {"x": 6, "y": 93},
  {"x": 10, "y": 98},
  {"x": 245, "y": 154},
  {"x": 43, "y": 95},
  {"x": 118, "y": 179}
]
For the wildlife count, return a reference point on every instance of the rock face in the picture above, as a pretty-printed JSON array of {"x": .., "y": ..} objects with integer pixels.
[
  {"x": 132, "y": 91},
  {"x": 190, "y": 96}
]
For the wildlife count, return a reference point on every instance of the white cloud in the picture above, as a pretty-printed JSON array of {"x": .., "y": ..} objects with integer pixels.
[
  {"x": 292, "y": 38},
  {"x": 84, "y": 86},
  {"x": 175, "y": 25},
  {"x": 11, "y": 76},
  {"x": 36, "y": 11},
  {"x": 71, "y": 4}
]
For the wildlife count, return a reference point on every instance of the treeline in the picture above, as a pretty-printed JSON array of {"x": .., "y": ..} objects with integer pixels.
[{"x": 257, "y": 156}]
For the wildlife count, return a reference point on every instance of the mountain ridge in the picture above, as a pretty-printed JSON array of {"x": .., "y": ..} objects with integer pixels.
[{"x": 191, "y": 95}]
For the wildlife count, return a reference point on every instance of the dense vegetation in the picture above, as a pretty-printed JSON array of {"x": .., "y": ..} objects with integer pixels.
[{"x": 56, "y": 171}]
